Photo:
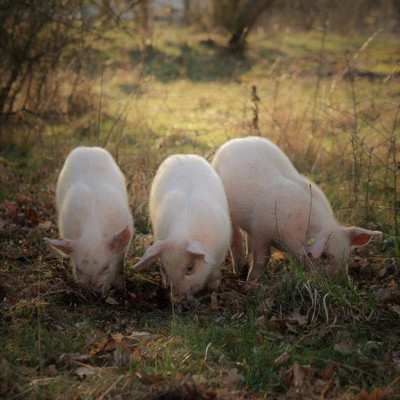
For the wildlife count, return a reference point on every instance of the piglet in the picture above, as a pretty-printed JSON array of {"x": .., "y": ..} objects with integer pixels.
[
  {"x": 191, "y": 225},
  {"x": 94, "y": 219},
  {"x": 274, "y": 204}
]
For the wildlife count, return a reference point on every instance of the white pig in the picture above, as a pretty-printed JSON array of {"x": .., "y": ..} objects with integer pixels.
[
  {"x": 94, "y": 219},
  {"x": 191, "y": 225},
  {"x": 273, "y": 203}
]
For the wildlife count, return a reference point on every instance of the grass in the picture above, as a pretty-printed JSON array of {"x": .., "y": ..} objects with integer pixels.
[{"x": 300, "y": 334}]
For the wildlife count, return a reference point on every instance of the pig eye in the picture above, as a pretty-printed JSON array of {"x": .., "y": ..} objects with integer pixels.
[
  {"x": 324, "y": 256},
  {"x": 105, "y": 269},
  {"x": 190, "y": 269}
]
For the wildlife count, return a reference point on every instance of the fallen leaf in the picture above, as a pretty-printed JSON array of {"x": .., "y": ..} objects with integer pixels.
[
  {"x": 148, "y": 379},
  {"x": 298, "y": 375},
  {"x": 51, "y": 370},
  {"x": 232, "y": 378},
  {"x": 386, "y": 295},
  {"x": 199, "y": 379},
  {"x": 83, "y": 372},
  {"x": 11, "y": 209},
  {"x": 45, "y": 225},
  {"x": 32, "y": 216},
  {"x": 261, "y": 321},
  {"x": 344, "y": 348},
  {"x": 392, "y": 284},
  {"x": 328, "y": 372},
  {"x": 23, "y": 199},
  {"x": 139, "y": 334},
  {"x": 282, "y": 359},
  {"x": 396, "y": 308},
  {"x": 72, "y": 358},
  {"x": 110, "y": 300},
  {"x": 396, "y": 359},
  {"x": 278, "y": 256},
  {"x": 376, "y": 394},
  {"x": 117, "y": 337},
  {"x": 298, "y": 318},
  {"x": 102, "y": 346}
]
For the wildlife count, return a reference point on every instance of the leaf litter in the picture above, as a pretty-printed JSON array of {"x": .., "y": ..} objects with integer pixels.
[{"x": 26, "y": 219}]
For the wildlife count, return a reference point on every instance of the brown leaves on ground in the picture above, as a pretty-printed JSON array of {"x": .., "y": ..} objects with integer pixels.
[
  {"x": 305, "y": 382},
  {"x": 28, "y": 211},
  {"x": 376, "y": 394}
]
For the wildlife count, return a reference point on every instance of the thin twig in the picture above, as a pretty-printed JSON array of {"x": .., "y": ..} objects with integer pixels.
[{"x": 115, "y": 383}]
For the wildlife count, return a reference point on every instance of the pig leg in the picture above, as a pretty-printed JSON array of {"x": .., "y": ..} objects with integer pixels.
[
  {"x": 214, "y": 280},
  {"x": 120, "y": 281},
  {"x": 249, "y": 248},
  {"x": 237, "y": 250},
  {"x": 261, "y": 253}
]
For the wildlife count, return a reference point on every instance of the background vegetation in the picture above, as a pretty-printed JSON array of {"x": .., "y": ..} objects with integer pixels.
[{"x": 148, "y": 79}]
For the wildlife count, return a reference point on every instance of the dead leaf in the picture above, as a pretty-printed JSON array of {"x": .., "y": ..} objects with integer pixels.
[
  {"x": 261, "y": 321},
  {"x": 139, "y": 334},
  {"x": 326, "y": 388},
  {"x": 84, "y": 372},
  {"x": 396, "y": 308},
  {"x": 72, "y": 358},
  {"x": 396, "y": 359},
  {"x": 46, "y": 225},
  {"x": 110, "y": 300},
  {"x": 32, "y": 216},
  {"x": 387, "y": 295},
  {"x": 117, "y": 337},
  {"x": 376, "y": 394},
  {"x": 298, "y": 375},
  {"x": 298, "y": 318},
  {"x": 282, "y": 359},
  {"x": 11, "y": 209},
  {"x": 276, "y": 324},
  {"x": 148, "y": 379},
  {"x": 102, "y": 346},
  {"x": 278, "y": 256},
  {"x": 199, "y": 379},
  {"x": 23, "y": 199},
  {"x": 328, "y": 372},
  {"x": 392, "y": 284},
  {"x": 232, "y": 378},
  {"x": 344, "y": 348}
]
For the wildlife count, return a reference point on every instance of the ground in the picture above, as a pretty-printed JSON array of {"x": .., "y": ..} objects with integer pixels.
[{"x": 332, "y": 103}]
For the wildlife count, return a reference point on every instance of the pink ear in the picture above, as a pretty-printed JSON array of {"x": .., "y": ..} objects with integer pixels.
[
  {"x": 151, "y": 254},
  {"x": 360, "y": 237},
  {"x": 120, "y": 240},
  {"x": 196, "y": 248},
  {"x": 63, "y": 246},
  {"x": 316, "y": 248}
]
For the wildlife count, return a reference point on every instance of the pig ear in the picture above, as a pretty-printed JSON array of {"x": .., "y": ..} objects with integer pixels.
[
  {"x": 151, "y": 254},
  {"x": 196, "y": 248},
  {"x": 315, "y": 247},
  {"x": 120, "y": 240},
  {"x": 360, "y": 237},
  {"x": 65, "y": 247}
]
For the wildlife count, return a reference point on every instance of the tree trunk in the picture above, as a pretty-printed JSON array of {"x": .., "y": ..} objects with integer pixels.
[
  {"x": 145, "y": 24},
  {"x": 245, "y": 21},
  {"x": 187, "y": 11}
]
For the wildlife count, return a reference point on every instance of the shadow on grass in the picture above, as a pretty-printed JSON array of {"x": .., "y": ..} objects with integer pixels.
[{"x": 198, "y": 64}]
